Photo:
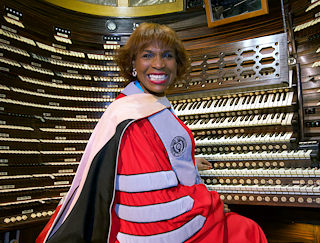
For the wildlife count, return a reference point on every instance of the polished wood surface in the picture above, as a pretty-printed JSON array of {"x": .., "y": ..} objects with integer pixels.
[{"x": 51, "y": 116}]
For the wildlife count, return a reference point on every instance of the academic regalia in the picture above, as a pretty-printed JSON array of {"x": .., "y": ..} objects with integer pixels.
[{"x": 137, "y": 182}]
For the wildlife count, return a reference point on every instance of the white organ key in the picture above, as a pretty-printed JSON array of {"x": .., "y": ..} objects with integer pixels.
[
  {"x": 278, "y": 137},
  {"x": 278, "y": 118},
  {"x": 289, "y": 98},
  {"x": 198, "y": 125},
  {"x": 220, "y": 105},
  {"x": 204, "y": 123},
  {"x": 255, "y": 104},
  {"x": 244, "y": 104},
  {"x": 287, "y": 137},
  {"x": 244, "y": 138},
  {"x": 262, "y": 101},
  {"x": 234, "y": 139},
  {"x": 260, "y": 119},
  {"x": 284, "y": 98},
  {"x": 223, "y": 122},
  {"x": 272, "y": 137},
  {"x": 235, "y": 103},
  {"x": 238, "y": 103},
  {"x": 268, "y": 137},
  {"x": 247, "y": 121},
  {"x": 236, "y": 122},
  {"x": 194, "y": 108},
  {"x": 227, "y": 106},
  {"x": 211, "y": 106},
  {"x": 251, "y": 121},
  {"x": 230, "y": 104},
  {"x": 175, "y": 108},
  {"x": 186, "y": 111},
  {"x": 202, "y": 108},
  {"x": 269, "y": 101},
  {"x": 274, "y": 102},
  {"x": 273, "y": 118},
  {"x": 219, "y": 122},
  {"x": 307, "y": 154},
  {"x": 255, "y": 121},
  {"x": 299, "y": 154},
  {"x": 208, "y": 105},
  {"x": 201, "y": 141},
  {"x": 254, "y": 138},
  {"x": 251, "y": 102},
  {"x": 281, "y": 99},
  {"x": 288, "y": 119},
  {"x": 268, "y": 119}
]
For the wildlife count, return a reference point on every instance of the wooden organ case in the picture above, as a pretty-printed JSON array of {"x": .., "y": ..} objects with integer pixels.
[
  {"x": 52, "y": 91},
  {"x": 241, "y": 102}
]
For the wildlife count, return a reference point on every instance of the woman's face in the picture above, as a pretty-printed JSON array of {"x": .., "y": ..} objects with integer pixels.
[{"x": 156, "y": 68}]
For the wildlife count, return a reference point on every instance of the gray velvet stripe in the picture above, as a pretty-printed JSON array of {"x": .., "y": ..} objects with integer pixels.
[
  {"x": 176, "y": 236},
  {"x": 177, "y": 142},
  {"x": 146, "y": 181},
  {"x": 130, "y": 89},
  {"x": 154, "y": 212}
]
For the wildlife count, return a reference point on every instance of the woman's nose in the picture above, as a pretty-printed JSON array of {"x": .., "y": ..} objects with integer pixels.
[{"x": 158, "y": 62}]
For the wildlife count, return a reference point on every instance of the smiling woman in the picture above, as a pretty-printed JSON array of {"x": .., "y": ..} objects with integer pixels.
[
  {"x": 153, "y": 44},
  {"x": 156, "y": 68},
  {"x": 138, "y": 179}
]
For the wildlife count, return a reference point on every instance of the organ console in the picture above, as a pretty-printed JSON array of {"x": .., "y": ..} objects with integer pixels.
[
  {"x": 250, "y": 133},
  {"x": 51, "y": 98}
]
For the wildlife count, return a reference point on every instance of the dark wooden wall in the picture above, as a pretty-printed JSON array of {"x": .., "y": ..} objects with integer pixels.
[{"x": 280, "y": 224}]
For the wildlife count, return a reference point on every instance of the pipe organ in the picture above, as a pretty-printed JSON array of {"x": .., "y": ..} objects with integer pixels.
[
  {"x": 52, "y": 95},
  {"x": 253, "y": 114},
  {"x": 242, "y": 106}
]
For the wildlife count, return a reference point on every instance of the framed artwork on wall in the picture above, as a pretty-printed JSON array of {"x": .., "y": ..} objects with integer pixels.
[{"x": 220, "y": 12}]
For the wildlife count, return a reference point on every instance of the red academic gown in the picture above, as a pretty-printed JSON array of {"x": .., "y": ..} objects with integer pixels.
[{"x": 142, "y": 151}]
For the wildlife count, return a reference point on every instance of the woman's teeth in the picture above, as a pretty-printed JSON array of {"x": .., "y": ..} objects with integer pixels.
[{"x": 157, "y": 77}]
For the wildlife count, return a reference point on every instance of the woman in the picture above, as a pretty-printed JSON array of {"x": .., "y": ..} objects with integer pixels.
[{"x": 137, "y": 180}]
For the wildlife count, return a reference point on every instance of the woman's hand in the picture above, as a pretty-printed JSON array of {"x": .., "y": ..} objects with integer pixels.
[{"x": 203, "y": 164}]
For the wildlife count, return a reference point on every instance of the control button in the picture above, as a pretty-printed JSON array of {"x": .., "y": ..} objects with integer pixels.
[{"x": 300, "y": 200}]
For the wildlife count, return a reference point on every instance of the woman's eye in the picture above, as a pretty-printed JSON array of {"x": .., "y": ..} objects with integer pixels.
[
  {"x": 147, "y": 55},
  {"x": 167, "y": 55}
]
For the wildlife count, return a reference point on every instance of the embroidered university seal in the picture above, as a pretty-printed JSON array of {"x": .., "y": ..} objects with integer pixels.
[{"x": 178, "y": 146}]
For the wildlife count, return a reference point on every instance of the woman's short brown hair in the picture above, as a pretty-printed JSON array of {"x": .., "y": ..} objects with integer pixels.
[{"x": 144, "y": 35}]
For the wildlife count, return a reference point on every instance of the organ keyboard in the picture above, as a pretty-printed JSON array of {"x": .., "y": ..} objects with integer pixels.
[
  {"x": 237, "y": 103},
  {"x": 250, "y": 133}
]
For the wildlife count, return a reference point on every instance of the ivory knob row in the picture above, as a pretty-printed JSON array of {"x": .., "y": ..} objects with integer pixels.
[
  {"x": 270, "y": 199},
  {"x": 25, "y": 217}
]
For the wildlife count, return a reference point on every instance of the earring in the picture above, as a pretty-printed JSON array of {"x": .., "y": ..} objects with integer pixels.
[{"x": 134, "y": 72}]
